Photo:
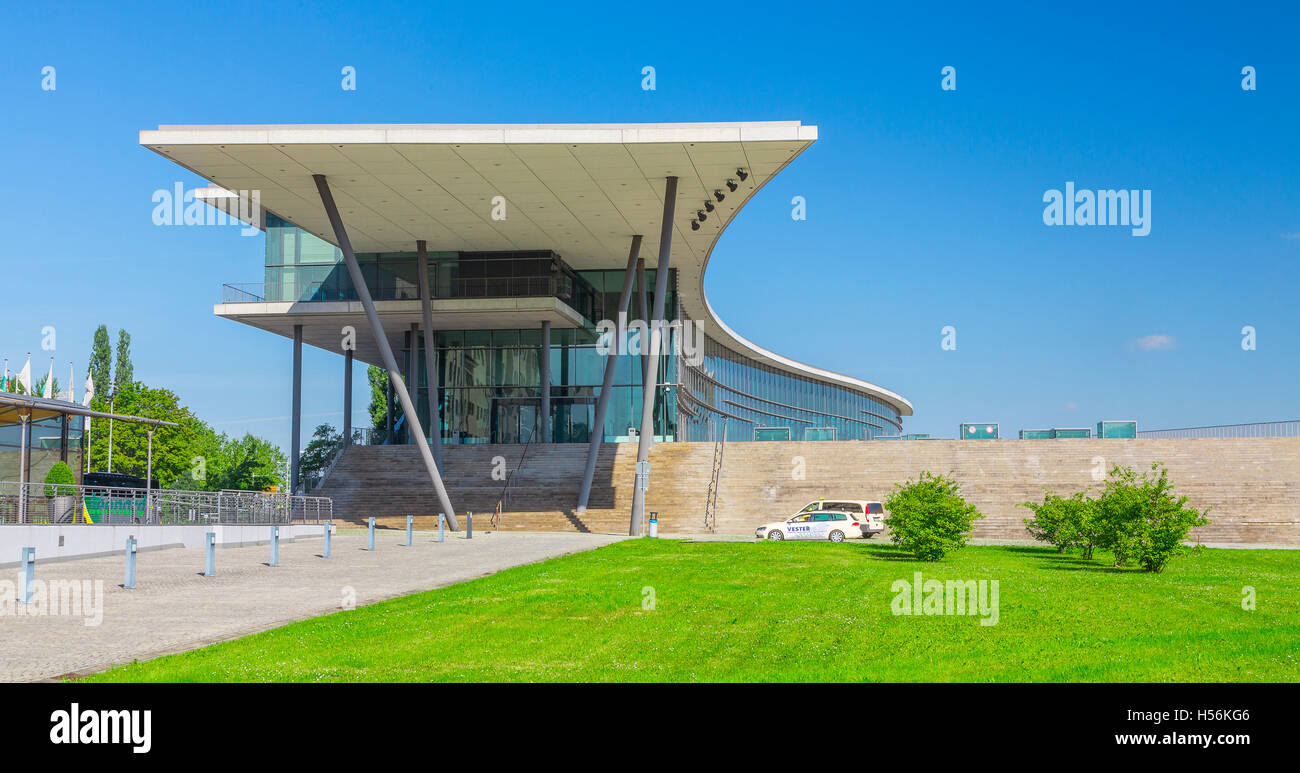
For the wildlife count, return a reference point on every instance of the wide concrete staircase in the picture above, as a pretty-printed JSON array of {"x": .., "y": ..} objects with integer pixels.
[{"x": 1252, "y": 485}]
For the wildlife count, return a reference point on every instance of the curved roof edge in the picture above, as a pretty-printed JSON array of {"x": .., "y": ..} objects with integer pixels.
[{"x": 754, "y": 351}]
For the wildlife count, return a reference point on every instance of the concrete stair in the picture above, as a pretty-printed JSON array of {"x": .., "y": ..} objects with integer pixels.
[{"x": 1253, "y": 485}]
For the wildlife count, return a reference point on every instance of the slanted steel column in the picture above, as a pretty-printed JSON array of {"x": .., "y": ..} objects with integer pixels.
[
  {"x": 643, "y": 308},
  {"x": 347, "y": 397},
  {"x": 646, "y": 438},
  {"x": 545, "y": 422},
  {"x": 412, "y": 366},
  {"x": 430, "y": 351},
  {"x": 386, "y": 351},
  {"x": 607, "y": 383},
  {"x": 295, "y": 420}
]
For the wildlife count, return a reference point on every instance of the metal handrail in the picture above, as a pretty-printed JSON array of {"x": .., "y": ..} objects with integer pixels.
[
  {"x": 69, "y": 504},
  {"x": 497, "y": 511}
]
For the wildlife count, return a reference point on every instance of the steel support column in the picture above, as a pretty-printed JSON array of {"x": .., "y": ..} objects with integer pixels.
[
  {"x": 430, "y": 351},
  {"x": 545, "y": 421},
  {"x": 607, "y": 383},
  {"x": 646, "y": 438},
  {"x": 295, "y": 418},
  {"x": 643, "y": 309},
  {"x": 386, "y": 351},
  {"x": 347, "y": 397}
]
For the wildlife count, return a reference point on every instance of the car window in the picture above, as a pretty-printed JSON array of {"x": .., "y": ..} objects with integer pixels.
[
  {"x": 800, "y": 518},
  {"x": 834, "y": 506},
  {"x": 839, "y": 517},
  {"x": 819, "y": 517},
  {"x": 875, "y": 508},
  {"x": 812, "y": 506},
  {"x": 851, "y": 507}
]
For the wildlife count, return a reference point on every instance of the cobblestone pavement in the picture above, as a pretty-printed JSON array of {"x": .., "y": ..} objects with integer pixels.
[{"x": 174, "y": 608}]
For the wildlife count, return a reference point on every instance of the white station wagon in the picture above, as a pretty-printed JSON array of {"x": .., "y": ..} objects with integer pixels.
[{"x": 832, "y": 519}]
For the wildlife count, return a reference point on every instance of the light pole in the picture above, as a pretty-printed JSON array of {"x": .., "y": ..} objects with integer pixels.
[{"x": 111, "y": 396}]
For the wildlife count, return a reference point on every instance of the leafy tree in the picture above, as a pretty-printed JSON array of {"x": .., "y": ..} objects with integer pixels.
[
  {"x": 123, "y": 371},
  {"x": 318, "y": 454},
  {"x": 249, "y": 463},
  {"x": 378, "y": 378},
  {"x": 100, "y": 361},
  {"x": 173, "y": 447},
  {"x": 928, "y": 517}
]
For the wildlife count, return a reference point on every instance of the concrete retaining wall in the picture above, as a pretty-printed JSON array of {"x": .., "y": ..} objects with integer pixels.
[{"x": 61, "y": 543}]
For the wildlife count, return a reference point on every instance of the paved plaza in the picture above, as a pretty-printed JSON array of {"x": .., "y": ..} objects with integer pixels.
[{"x": 173, "y": 608}]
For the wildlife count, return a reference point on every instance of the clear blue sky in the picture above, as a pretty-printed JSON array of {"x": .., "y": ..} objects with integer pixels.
[{"x": 924, "y": 206}]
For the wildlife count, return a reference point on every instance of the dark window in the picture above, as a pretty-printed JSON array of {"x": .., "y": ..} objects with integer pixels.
[{"x": 875, "y": 508}]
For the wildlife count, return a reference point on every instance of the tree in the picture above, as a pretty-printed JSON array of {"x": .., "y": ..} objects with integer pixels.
[
  {"x": 318, "y": 454},
  {"x": 378, "y": 378},
  {"x": 123, "y": 371},
  {"x": 249, "y": 463},
  {"x": 100, "y": 361},
  {"x": 928, "y": 517},
  {"x": 59, "y": 481},
  {"x": 1065, "y": 522},
  {"x": 174, "y": 448}
]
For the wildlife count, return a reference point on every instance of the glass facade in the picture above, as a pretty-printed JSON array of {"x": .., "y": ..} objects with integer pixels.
[
  {"x": 489, "y": 380},
  {"x": 47, "y": 446},
  {"x": 753, "y": 397}
]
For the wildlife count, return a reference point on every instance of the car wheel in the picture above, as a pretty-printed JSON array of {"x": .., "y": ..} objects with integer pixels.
[
  {"x": 837, "y": 536},
  {"x": 775, "y": 535},
  {"x": 868, "y": 534}
]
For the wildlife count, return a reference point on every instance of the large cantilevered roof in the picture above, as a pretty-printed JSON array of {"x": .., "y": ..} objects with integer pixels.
[{"x": 581, "y": 190}]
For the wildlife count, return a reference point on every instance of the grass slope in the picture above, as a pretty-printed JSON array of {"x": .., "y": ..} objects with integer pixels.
[{"x": 791, "y": 612}]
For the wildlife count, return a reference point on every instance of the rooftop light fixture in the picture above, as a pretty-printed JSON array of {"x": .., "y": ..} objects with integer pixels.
[
  {"x": 731, "y": 185},
  {"x": 719, "y": 196},
  {"x": 695, "y": 226},
  {"x": 742, "y": 174},
  {"x": 708, "y": 206},
  {"x": 700, "y": 214}
]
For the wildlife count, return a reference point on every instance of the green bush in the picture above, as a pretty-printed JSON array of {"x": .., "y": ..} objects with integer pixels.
[
  {"x": 1066, "y": 522},
  {"x": 928, "y": 517},
  {"x": 1142, "y": 519},
  {"x": 60, "y": 480},
  {"x": 1137, "y": 518}
]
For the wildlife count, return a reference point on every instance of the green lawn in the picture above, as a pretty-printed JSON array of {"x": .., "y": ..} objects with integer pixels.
[{"x": 792, "y": 612}]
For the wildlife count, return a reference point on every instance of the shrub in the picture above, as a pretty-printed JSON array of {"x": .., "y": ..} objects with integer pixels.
[
  {"x": 1065, "y": 522},
  {"x": 60, "y": 480},
  {"x": 1142, "y": 519},
  {"x": 928, "y": 517}
]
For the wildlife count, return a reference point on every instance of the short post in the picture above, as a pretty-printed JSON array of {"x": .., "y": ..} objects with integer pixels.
[
  {"x": 469, "y": 526},
  {"x": 654, "y": 524},
  {"x": 329, "y": 526},
  {"x": 410, "y": 524},
  {"x": 441, "y": 527},
  {"x": 371, "y": 544},
  {"x": 27, "y": 577},
  {"x": 275, "y": 546},
  {"x": 210, "y": 565},
  {"x": 128, "y": 579}
]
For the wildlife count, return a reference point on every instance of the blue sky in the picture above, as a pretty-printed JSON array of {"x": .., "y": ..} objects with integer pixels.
[{"x": 924, "y": 206}]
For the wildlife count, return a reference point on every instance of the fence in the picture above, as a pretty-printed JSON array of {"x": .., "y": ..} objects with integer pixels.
[
  {"x": 40, "y": 503},
  {"x": 1262, "y": 429}
]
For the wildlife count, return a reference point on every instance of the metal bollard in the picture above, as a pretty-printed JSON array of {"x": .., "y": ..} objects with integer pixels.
[
  {"x": 469, "y": 526},
  {"x": 654, "y": 524},
  {"x": 329, "y": 526},
  {"x": 275, "y": 546},
  {"x": 27, "y": 577},
  {"x": 371, "y": 544},
  {"x": 210, "y": 565},
  {"x": 128, "y": 580},
  {"x": 410, "y": 522},
  {"x": 441, "y": 527}
]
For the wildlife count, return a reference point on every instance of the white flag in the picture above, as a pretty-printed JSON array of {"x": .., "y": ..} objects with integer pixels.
[
  {"x": 48, "y": 390},
  {"x": 70, "y": 394},
  {"x": 4, "y": 382},
  {"x": 89, "y": 391},
  {"x": 25, "y": 377}
]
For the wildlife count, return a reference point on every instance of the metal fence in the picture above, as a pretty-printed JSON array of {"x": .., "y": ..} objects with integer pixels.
[
  {"x": 40, "y": 503},
  {"x": 1262, "y": 429}
]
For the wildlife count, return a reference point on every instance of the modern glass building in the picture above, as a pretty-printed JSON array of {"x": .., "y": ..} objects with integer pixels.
[{"x": 527, "y": 239}]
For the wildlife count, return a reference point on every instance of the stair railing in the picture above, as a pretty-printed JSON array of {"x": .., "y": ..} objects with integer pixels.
[{"x": 498, "y": 511}]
